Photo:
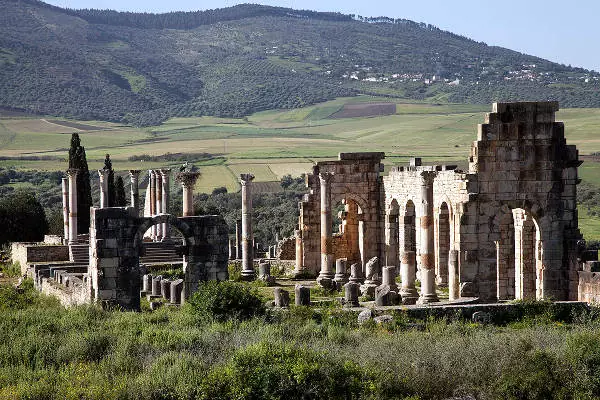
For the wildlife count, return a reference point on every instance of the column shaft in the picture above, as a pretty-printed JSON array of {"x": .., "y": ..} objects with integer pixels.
[
  {"x": 327, "y": 260},
  {"x": 152, "y": 184},
  {"x": 165, "y": 173},
  {"x": 247, "y": 233},
  {"x": 65, "y": 200},
  {"x": 103, "y": 175},
  {"x": 135, "y": 189},
  {"x": 393, "y": 243},
  {"x": 72, "y": 173},
  {"x": 238, "y": 239},
  {"x": 426, "y": 245},
  {"x": 158, "y": 207},
  {"x": 299, "y": 253}
]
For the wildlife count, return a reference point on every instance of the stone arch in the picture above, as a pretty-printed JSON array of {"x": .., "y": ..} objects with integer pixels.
[
  {"x": 349, "y": 241},
  {"x": 186, "y": 231}
]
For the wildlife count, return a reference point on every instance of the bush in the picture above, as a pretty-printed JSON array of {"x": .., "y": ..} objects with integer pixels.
[{"x": 222, "y": 301}]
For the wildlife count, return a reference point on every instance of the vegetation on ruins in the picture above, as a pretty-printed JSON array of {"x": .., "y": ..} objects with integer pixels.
[
  {"x": 120, "y": 197},
  {"x": 47, "y": 351},
  {"x": 128, "y": 67},
  {"x": 78, "y": 160}
]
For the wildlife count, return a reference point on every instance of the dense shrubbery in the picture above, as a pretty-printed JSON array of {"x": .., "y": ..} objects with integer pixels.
[
  {"x": 222, "y": 301},
  {"x": 22, "y": 218},
  {"x": 49, "y": 352}
]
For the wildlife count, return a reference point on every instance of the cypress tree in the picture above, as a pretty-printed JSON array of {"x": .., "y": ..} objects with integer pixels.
[
  {"x": 111, "y": 181},
  {"x": 77, "y": 159},
  {"x": 120, "y": 199}
]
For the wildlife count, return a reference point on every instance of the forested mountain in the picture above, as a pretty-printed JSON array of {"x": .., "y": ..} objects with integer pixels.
[{"x": 143, "y": 68}]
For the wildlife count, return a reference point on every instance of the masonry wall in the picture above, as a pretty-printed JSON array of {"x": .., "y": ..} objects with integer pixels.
[{"x": 26, "y": 253}]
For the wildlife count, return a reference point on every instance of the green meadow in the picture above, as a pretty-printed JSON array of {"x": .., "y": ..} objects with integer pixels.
[{"x": 271, "y": 144}]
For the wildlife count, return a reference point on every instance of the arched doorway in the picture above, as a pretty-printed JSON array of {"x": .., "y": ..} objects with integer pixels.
[
  {"x": 527, "y": 256},
  {"x": 348, "y": 230},
  {"x": 505, "y": 258},
  {"x": 408, "y": 247},
  {"x": 443, "y": 245}
]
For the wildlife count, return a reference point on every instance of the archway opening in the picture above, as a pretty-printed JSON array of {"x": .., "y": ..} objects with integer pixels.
[
  {"x": 443, "y": 245},
  {"x": 505, "y": 259},
  {"x": 392, "y": 254},
  {"x": 527, "y": 256},
  {"x": 348, "y": 231},
  {"x": 163, "y": 257},
  {"x": 408, "y": 230}
]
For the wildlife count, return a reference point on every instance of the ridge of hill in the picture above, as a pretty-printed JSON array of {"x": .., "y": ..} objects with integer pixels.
[{"x": 142, "y": 68}]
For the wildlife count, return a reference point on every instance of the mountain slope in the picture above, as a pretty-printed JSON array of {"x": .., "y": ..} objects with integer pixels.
[{"x": 144, "y": 68}]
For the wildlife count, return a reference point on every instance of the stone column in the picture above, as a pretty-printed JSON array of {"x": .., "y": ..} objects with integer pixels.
[
  {"x": 238, "y": 239},
  {"x": 188, "y": 181},
  {"x": 103, "y": 175},
  {"x": 426, "y": 245},
  {"x": 247, "y": 233},
  {"x": 166, "y": 184},
  {"x": 152, "y": 185},
  {"x": 453, "y": 284},
  {"x": 393, "y": 243},
  {"x": 135, "y": 189},
  {"x": 408, "y": 273},
  {"x": 158, "y": 206},
  {"x": 72, "y": 174},
  {"x": 299, "y": 269},
  {"x": 65, "y": 199},
  {"x": 326, "y": 274}
]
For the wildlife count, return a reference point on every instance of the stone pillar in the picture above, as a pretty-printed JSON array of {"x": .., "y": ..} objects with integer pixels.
[
  {"x": 389, "y": 277},
  {"x": 408, "y": 274},
  {"x": 247, "y": 233},
  {"x": 152, "y": 185},
  {"x": 103, "y": 175},
  {"x": 135, "y": 189},
  {"x": 282, "y": 297},
  {"x": 188, "y": 182},
  {"x": 426, "y": 245},
  {"x": 166, "y": 184},
  {"x": 340, "y": 278},
  {"x": 72, "y": 174},
  {"x": 453, "y": 275},
  {"x": 351, "y": 292},
  {"x": 393, "y": 243},
  {"x": 302, "y": 295},
  {"x": 238, "y": 239},
  {"x": 65, "y": 199},
  {"x": 299, "y": 267},
  {"x": 158, "y": 206},
  {"x": 326, "y": 274}
]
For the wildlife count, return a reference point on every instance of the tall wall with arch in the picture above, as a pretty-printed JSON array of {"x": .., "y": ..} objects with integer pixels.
[{"x": 508, "y": 225}]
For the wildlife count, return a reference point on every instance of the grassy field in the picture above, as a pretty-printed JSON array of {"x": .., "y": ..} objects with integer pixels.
[{"x": 274, "y": 143}]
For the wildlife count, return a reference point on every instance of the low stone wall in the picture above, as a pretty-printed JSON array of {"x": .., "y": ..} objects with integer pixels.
[
  {"x": 26, "y": 253},
  {"x": 53, "y": 239},
  {"x": 68, "y": 296},
  {"x": 589, "y": 287}
]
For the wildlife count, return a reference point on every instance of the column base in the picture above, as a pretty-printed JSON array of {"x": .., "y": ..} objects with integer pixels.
[
  {"x": 325, "y": 279},
  {"x": 428, "y": 298},
  {"x": 248, "y": 275}
]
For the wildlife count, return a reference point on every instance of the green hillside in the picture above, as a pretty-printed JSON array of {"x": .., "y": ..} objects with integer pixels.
[{"x": 143, "y": 69}]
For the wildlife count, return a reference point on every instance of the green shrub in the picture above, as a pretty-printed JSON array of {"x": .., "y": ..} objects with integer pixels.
[
  {"x": 11, "y": 270},
  {"x": 18, "y": 298},
  {"x": 235, "y": 271},
  {"x": 280, "y": 371},
  {"x": 222, "y": 301}
]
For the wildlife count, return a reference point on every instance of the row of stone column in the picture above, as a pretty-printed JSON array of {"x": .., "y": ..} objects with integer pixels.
[{"x": 159, "y": 190}]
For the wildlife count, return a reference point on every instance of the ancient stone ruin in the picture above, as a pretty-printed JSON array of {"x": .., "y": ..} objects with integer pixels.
[{"x": 505, "y": 229}]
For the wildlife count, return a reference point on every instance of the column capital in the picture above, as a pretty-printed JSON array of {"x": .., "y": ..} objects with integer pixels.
[
  {"x": 165, "y": 172},
  {"x": 325, "y": 177},
  {"x": 188, "y": 179},
  {"x": 134, "y": 172},
  {"x": 428, "y": 177},
  {"x": 72, "y": 172},
  {"x": 246, "y": 178},
  {"x": 103, "y": 173}
]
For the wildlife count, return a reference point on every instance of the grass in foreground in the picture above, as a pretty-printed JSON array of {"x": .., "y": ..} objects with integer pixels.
[{"x": 49, "y": 352}]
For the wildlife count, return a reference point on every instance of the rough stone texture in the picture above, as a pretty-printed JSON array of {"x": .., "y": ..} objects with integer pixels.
[
  {"x": 302, "y": 295},
  {"x": 364, "y": 316},
  {"x": 282, "y": 297},
  {"x": 116, "y": 236},
  {"x": 286, "y": 249},
  {"x": 351, "y": 292},
  {"x": 341, "y": 276},
  {"x": 505, "y": 229},
  {"x": 26, "y": 253}
]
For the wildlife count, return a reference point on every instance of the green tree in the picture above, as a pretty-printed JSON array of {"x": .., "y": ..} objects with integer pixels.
[
  {"x": 120, "y": 199},
  {"x": 112, "y": 193},
  {"x": 22, "y": 218},
  {"x": 78, "y": 160}
]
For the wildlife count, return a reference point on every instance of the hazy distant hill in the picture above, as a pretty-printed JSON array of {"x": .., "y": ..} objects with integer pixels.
[{"x": 144, "y": 68}]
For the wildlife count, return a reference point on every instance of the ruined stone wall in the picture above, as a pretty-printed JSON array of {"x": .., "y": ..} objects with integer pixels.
[
  {"x": 26, "y": 253},
  {"x": 355, "y": 178},
  {"x": 286, "y": 249},
  {"x": 522, "y": 161},
  {"x": 589, "y": 287}
]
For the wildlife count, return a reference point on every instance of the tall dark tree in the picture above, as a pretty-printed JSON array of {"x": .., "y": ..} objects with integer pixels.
[
  {"x": 120, "y": 199},
  {"x": 22, "y": 218},
  {"x": 77, "y": 159},
  {"x": 111, "y": 181}
]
